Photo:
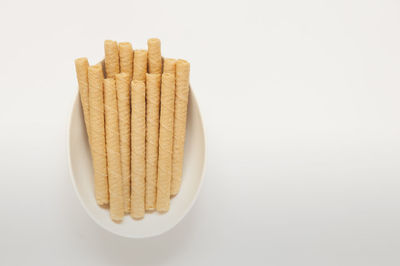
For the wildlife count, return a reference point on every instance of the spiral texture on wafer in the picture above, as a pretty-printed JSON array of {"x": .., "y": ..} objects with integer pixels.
[
  {"x": 113, "y": 151},
  {"x": 165, "y": 142},
  {"x": 124, "y": 114},
  {"x": 140, "y": 65},
  {"x": 154, "y": 56},
  {"x": 153, "y": 85},
  {"x": 98, "y": 141},
  {"x": 111, "y": 58},
  {"x": 81, "y": 67},
  {"x": 138, "y": 144},
  {"x": 126, "y": 59},
  {"x": 181, "y": 102}
]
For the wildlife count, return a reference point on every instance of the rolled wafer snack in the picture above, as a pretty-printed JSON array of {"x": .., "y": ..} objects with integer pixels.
[
  {"x": 169, "y": 65},
  {"x": 165, "y": 142},
  {"x": 81, "y": 66},
  {"x": 113, "y": 151},
  {"x": 98, "y": 141},
  {"x": 138, "y": 144},
  {"x": 181, "y": 102},
  {"x": 154, "y": 56},
  {"x": 126, "y": 59},
  {"x": 152, "y": 126},
  {"x": 124, "y": 114},
  {"x": 140, "y": 65},
  {"x": 111, "y": 58}
]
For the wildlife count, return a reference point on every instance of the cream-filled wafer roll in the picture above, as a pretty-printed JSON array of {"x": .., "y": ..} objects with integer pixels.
[
  {"x": 165, "y": 142},
  {"x": 169, "y": 65},
  {"x": 153, "y": 83},
  {"x": 140, "y": 65},
  {"x": 126, "y": 59},
  {"x": 111, "y": 58},
  {"x": 98, "y": 141},
  {"x": 124, "y": 114},
  {"x": 154, "y": 56},
  {"x": 181, "y": 102},
  {"x": 138, "y": 146},
  {"x": 113, "y": 151},
  {"x": 81, "y": 66}
]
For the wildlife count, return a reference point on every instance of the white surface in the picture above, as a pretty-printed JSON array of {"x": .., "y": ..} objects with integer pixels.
[
  {"x": 300, "y": 101},
  {"x": 153, "y": 224}
]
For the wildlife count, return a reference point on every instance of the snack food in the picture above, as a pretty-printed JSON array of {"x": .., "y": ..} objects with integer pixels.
[
  {"x": 81, "y": 66},
  {"x": 154, "y": 56},
  {"x": 111, "y": 58},
  {"x": 124, "y": 114},
  {"x": 126, "y": 58},
  {"x": 98, "y": 141},
  {"x": 136, "y": 125},
  {"x": 138, "y": 144},
  {"x": 181, "y": 102},
  {"x": 113, "y": 151},
  {"x": 165, "y": 142},
  {"x": 140, "y": 65},
  {"x": 169, "y": 66},
  {"x": 153, "y": 86}
]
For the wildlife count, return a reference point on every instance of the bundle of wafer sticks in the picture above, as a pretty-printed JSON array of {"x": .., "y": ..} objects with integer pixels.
[{"x": 135, "y": 108}]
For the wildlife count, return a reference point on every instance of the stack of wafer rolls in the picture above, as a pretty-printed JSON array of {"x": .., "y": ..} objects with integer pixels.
[{"x": 135, "y": 111}]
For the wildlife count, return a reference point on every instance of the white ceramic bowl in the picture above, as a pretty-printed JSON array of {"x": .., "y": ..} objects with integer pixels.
[{"x": 153, "y": 223}]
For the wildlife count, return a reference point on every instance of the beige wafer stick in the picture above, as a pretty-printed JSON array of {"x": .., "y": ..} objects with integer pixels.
[
  {"x": 152, "y": 126},
  {"x": 165, "y": 142},
  {"x": 113, "y": 151},
  {"x": 138, "y": 143},
  {"x": 169, "y": 65},
  {"x": 140, "y": 65},
  {"x": 111, "y": 58},
  {"x": 154, "y": 56},
  {"x": 124, "y": 113},
  {"x": 98, "y": 141},
  {"x": 81, "y": 66},
  {"x": 126, "y": 59},
  {"x": 181, "y": 102}
]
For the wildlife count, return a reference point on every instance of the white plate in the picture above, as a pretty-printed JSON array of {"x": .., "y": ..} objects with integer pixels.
[{"x": 153, "y": 223}]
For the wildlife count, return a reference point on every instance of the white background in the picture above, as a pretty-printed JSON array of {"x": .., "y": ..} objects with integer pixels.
[{"x": 300, "y": 101}]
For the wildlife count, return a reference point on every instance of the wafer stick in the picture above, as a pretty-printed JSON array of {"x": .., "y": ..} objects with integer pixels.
[
  {"x": 165, "y": 142},
  {"x": 111, "y": 58},
  {"x": 169, "y": 65},
  {"x": 181, "y": 102},
  {"x": 124, "y": 113},
  {"x": 113, "y": 151},
  {"x": 152, "y": 126},
  {"x": 138, "y": 143},
  {"x": 154, "y": 56},
  {"x": 98, "y": 142},
  {"x": 140, "y": 65},
  {"x": 126, "y": 59},
  {"x": 81, "y": 66}
]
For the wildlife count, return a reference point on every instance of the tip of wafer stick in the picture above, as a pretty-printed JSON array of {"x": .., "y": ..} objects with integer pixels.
[
  {"x": 102, "y": 204},
  {"x": 121, "y": 75},
  {"x": 182, "y": 61},
  {"x": 168, "y": 75},
  {"x": 140, "y": 51},
  {"x": 153, "y": 41},
  {"x": 137, "y": 218},
  {"x": 153, "y": 75},
  {"x": 117, "y": 220},
  {"x": 135, "y": 82},
  {"x": 125, "y": 44},
  {"x": 81, "y": 60}
]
